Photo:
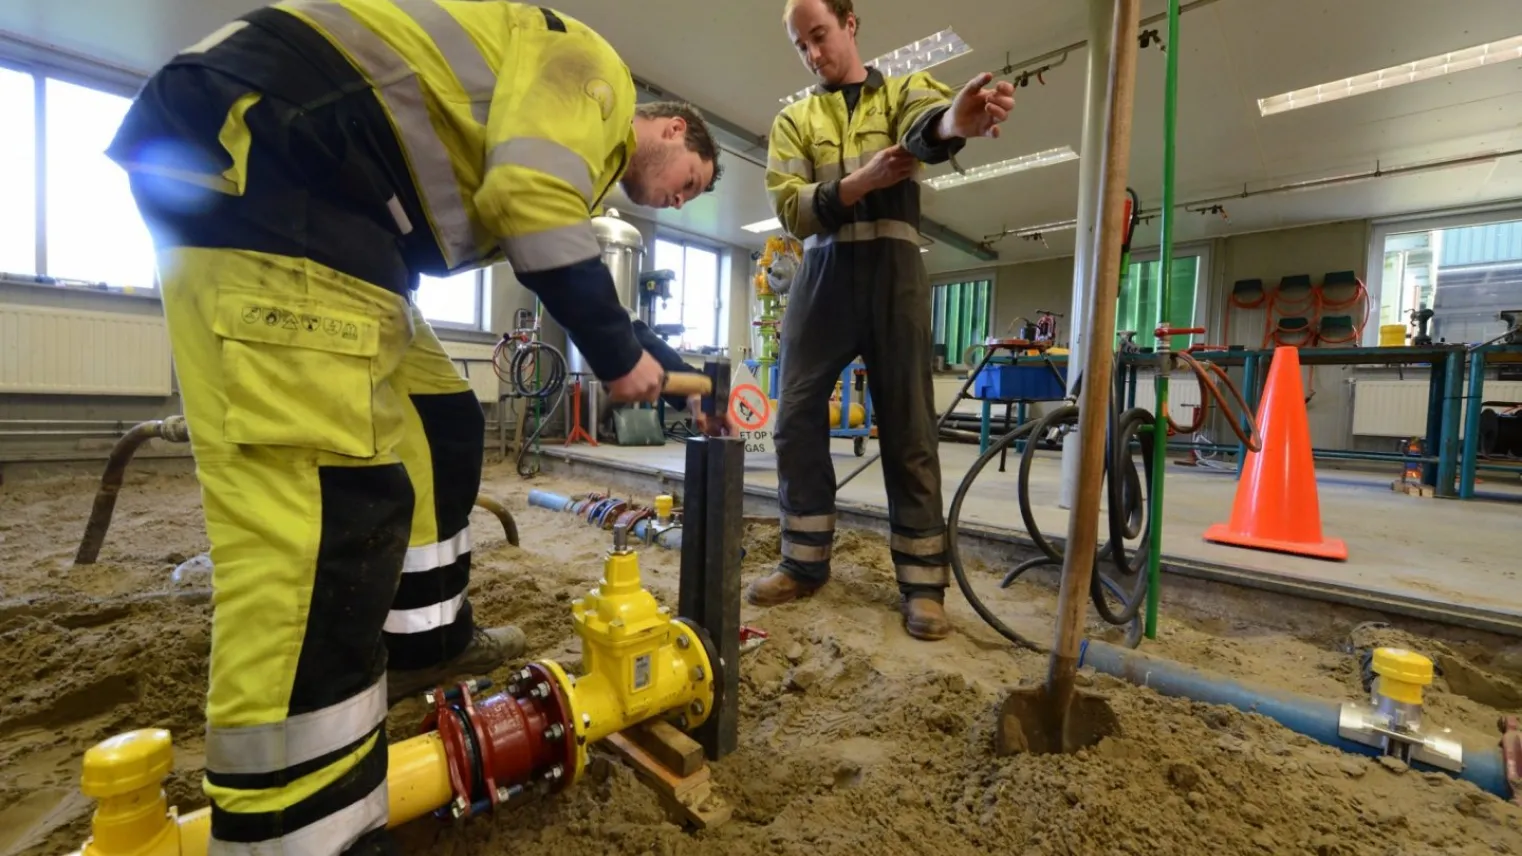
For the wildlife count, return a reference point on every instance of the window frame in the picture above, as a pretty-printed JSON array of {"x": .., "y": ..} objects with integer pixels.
[
  {"x": 721, "y": 288},
  {"x": 33, "y": 61},
  {"x": 482, "y": 322},
  {"x": 969, "y": 277},
  {"x": 1382, "y": 229},
  {"x": 1204, "y": 289}
]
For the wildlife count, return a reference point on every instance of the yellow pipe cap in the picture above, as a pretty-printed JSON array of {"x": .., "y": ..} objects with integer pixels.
[
  {"x": 663, "y": 504},
  {"x": 126, "y": 763},
  {"x": 1402, "y": 674}
]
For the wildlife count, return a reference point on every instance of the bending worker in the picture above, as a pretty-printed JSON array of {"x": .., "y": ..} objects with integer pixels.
[
  {"x": 299, "y": 169},
  {"x": 840, "y": 178}
]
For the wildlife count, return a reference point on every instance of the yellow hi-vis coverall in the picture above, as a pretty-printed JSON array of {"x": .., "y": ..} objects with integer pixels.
[
  {"x": 299, "y": 169},
  {"x": 861, "y": 290}
]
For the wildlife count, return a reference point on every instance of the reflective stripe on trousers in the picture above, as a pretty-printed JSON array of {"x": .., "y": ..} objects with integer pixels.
[
  {"x": 868, "y": 231},
  {"x": 398, "y": 87},
  {"x": 920, "y": 560},
  {"x": 297, "y": 739},
  {"x": 331, "y": 835}
]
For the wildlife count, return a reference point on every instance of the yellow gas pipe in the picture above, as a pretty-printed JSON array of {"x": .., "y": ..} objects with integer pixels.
[{"x": 639, "y": 663}]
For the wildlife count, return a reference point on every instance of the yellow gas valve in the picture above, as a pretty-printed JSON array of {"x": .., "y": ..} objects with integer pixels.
[
  {"x": 126, "y": 774},
  {"x": 637, "y": 660}
]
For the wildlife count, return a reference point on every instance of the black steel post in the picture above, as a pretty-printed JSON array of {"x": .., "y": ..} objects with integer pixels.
[
  {"x": 690, "y": 599},
  {"x": 709, "y": 588},
  {"x": 722, "y": 543}
]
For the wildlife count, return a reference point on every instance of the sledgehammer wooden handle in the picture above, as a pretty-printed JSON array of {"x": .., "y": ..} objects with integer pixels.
[{"x": 688, "y": 383}]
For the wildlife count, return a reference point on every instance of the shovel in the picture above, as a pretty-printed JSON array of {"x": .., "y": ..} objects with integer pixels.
[{"x": 1057, "y": 716}]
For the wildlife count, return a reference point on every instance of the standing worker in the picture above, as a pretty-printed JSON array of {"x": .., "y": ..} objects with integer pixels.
[
  {"x": 840, "y": 178},
  {"x": 299, "y": 169}
]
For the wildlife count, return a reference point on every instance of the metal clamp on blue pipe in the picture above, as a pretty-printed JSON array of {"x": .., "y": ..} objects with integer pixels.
[
  {"x": 1390, "y": 725},
  {"x": 650, "y": 531}
]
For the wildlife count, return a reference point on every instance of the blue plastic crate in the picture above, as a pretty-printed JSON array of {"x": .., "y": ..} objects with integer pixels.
[{"x": 1017, "y": 383}]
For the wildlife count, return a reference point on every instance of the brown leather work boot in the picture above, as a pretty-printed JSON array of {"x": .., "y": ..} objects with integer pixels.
[
  {"x": 925, "y": 618},
  {"x": 489, "y": 649},
  {"x": 778, "y": 588}
]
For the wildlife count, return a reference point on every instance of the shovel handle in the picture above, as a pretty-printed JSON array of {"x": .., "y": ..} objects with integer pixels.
[{"x": 688, "y": 383}]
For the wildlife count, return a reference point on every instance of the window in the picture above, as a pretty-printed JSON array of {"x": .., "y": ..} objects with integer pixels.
[
  {"x": 90, "y": 227},
  {"x": 960, "y": 315},
  {"x": 462, "y": 301},
  {"x": 18, "y": 173},
  {"x": 1466, "y": 272},
  {"x": 1139, "y": 292},
  {"x": 695, "y": 301}
]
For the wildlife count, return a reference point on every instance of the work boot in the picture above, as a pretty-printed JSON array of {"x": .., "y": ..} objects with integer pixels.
[
  {"x": 489, "y": 649},
  {"x": 778, "y": 588},
  {"x": 925, "y": 618}
]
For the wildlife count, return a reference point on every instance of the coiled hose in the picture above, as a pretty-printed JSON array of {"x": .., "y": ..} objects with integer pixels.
[
  {"x": 522, "y": 376},
  {"x": 1129, "y": 492}
]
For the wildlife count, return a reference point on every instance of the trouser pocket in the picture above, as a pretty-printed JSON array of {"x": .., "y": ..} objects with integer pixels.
[{"x": 300, "y": 371}]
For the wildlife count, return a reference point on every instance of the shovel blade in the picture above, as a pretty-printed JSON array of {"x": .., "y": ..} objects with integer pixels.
[{"x": 1029, "y": 723}]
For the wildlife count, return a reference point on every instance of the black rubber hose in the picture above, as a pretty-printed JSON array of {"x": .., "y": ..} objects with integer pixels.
[
  {"x": 953, "y": 550},
  {"x": 551, "y": 385}
]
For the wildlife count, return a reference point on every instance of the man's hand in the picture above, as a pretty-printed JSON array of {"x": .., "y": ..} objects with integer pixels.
[
  {"x": 886, "y": 168},
  {"x": 978, "y": 112},
  {"x": 719, "y": 427},
  {"x": 642, "y": 384}
]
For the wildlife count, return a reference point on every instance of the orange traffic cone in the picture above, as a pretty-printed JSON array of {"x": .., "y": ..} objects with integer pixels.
[{"x": 1277, "y": 507}]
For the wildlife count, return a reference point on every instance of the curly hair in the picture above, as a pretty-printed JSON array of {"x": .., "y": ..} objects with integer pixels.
[{"x": 699, "y": 137}]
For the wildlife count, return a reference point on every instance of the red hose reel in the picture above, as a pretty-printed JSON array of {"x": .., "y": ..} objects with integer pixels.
[{"x": 506, "y": 746}]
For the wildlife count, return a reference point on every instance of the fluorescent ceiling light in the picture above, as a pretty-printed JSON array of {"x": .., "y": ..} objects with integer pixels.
[
  {"x": 1046, "y": 228},
  {"x": 918, "y": 55},
  {"x": 768, "y": 225},
  {"x": 1003, "y": 167},
  {"x": 1411, "y": 72}
]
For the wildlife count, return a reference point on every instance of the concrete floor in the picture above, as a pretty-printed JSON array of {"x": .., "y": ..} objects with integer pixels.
[{"x": 1458, "y": 555}]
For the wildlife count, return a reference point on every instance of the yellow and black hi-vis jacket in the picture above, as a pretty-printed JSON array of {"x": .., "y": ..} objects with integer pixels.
[
  {"x": 819, "y": 139},
  {"x": 514, "y": 121}
]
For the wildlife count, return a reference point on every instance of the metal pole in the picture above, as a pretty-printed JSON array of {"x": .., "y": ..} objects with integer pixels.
[
  {"x": 1083, "y": 523},
  {"x": 1165, "y": 363},
  {"x": 1090, "y": 169}
]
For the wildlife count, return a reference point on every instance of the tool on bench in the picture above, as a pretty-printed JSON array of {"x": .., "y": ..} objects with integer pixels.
[
  {"x": 1512, "y": 336},
  {"x": 1419, "y": 319}
]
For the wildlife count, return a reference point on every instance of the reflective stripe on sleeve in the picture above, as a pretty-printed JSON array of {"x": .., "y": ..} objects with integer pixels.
[
  {"x": 552, "y": 248},
  {"x": 398, "y": 88},
  {"x": 546, "y": 156},
  {"x": 800, "y": 167},
  {"x": 808, "y": 222},
  {"x": 464, "y": 58}
]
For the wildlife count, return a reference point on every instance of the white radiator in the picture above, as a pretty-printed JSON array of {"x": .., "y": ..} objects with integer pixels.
[
  {"x": 474, "y": 361},
  {"x": 1183, "y": 394},
  {"x": 1398, "y": 408},
  {"x": 53, "y": 351}
]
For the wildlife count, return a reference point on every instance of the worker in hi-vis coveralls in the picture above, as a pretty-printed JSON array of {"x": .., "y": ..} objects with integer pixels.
[
  {"x": 840, "y": 175},
  {"x": 298, "y": 170}
]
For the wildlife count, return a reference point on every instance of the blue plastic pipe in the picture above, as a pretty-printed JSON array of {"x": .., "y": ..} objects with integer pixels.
[
  {"x": 671, "y": 539},
  {"x": 1314, "y": 717}
]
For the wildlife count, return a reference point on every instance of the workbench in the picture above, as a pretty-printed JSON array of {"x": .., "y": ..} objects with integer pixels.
[
  {"x": 1469, "y": 461},
  {"x": 1445, "y": 363}
]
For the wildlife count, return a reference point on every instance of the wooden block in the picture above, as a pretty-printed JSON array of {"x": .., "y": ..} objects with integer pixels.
[
  {"x": 689, "y": 800},
  {"x": 674, "y": 750}
]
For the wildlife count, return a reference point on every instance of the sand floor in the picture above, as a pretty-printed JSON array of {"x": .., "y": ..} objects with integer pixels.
[{"x": 853, "y": 738}]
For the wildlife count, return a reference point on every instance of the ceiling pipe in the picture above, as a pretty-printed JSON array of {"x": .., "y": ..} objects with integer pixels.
[
  {"x": 1060, "y": 54},
  {"x": 740, "y": 142},
  {"x": 1292, "y": 187}
]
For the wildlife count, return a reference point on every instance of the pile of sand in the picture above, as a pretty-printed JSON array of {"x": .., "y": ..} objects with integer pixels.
[{"x": 854, "y": 739}]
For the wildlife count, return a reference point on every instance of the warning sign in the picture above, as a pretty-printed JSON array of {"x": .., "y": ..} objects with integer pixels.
[{"x": 750, "y": 411}]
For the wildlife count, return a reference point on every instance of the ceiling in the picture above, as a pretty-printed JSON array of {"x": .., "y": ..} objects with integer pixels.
[{"x": 733, "y": 59}]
